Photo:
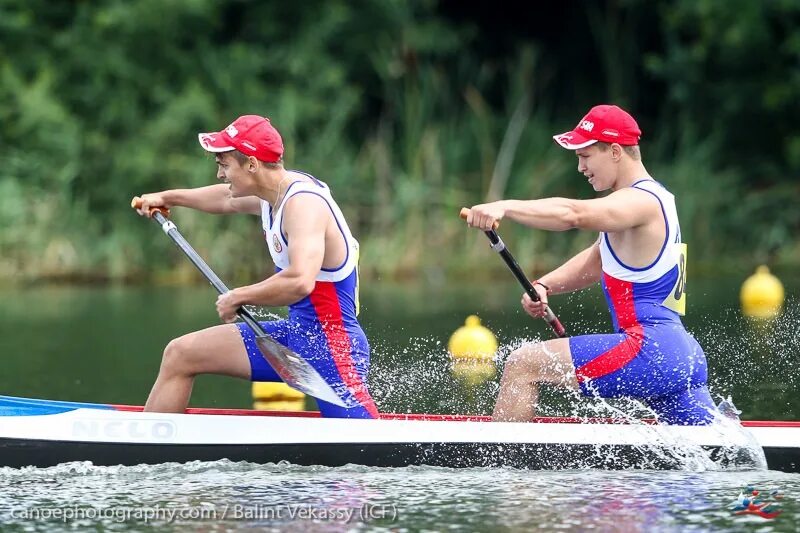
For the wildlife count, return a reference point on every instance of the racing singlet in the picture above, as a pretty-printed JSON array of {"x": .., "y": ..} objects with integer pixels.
[
  {"x": 650, "y": 356},
  {"x": 656, "y": 291},
  {"x": 322, "y": 327},
  {"x": 335, "y": 296}
]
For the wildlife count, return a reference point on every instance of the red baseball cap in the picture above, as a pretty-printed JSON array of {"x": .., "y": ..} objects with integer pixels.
[
  {"x": 605, "y": 123},
  {"x": 250, "y": 134}
]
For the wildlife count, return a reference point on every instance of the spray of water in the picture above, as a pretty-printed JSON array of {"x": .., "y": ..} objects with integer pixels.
[
  {"x": 263, "y": 313},
  {"x": 745, "y": 359},
  {"x": 755, "y": 362}
]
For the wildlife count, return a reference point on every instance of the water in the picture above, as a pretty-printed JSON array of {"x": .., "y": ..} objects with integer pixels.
[
  {"x": 104, "y": 345},
  {"x": 225, "y": 496}
]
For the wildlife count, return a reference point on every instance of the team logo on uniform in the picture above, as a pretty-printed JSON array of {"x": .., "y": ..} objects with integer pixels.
[{"x": 276, "y": 243}]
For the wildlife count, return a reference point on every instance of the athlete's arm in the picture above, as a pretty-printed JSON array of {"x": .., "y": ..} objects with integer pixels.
[
  {"x": 305, "y": 219},
  {"x": 582, "y": 270},
  {"x": 215, "y": 199},
  {"x": 619, "y": 211}
]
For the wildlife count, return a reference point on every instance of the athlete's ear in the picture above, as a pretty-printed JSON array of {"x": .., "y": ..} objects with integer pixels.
[
  {"x": 616, "y": 152},
  {"x": 253, "y": 163}
]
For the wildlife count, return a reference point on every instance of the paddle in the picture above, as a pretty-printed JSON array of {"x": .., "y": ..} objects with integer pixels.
[
  {"x": 293, "y": 369},
  {"x": 500, "y": 247}
]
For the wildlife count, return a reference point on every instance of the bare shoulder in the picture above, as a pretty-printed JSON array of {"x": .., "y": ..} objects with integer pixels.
[
  {"x": 305, "y": 200},
  {"x": 305, "y": 209},
  {"x": 634, "y": 198},
  {"x": 633, "y": 194}
]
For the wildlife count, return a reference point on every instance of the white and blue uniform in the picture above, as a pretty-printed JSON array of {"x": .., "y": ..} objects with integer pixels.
[
  {"x": 322, "y": 327},
  {"x": 651, "y": 357}
]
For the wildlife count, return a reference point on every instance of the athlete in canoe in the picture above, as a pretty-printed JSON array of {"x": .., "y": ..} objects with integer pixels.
[
  {"x": 316, "y": 260},
  {"x": 640, "y": 261}
]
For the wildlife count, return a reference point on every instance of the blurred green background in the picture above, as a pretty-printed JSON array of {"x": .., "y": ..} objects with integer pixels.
[{"x": 408, "y": 109}]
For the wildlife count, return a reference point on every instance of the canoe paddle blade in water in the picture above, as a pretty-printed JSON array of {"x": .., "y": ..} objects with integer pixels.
[{"x": 299, "y": 374}]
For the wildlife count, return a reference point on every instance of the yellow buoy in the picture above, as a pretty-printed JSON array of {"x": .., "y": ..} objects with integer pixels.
[
  {"x": 472, "y": 348},
  {"x": 268, "y": 396},
  {"x": 762, "y": 294}
]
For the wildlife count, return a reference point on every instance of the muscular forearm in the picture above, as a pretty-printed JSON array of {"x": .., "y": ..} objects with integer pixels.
[
  {"x": 284, "y": 288},
  {"x": 554, "y": 214},
  {"x": 214, "y": 199},
  {"x": 582, "y": 270}
]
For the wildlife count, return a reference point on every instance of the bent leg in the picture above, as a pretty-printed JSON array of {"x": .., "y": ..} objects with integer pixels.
[
  {"x": 692, "y": 407},
  {"x": 215, "y": 350},
  {"x": 526, "y": 367},
  {"x": 661, "y": 365}
]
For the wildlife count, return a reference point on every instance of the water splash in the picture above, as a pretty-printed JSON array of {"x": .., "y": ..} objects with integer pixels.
[
  {"x": 263, "y": 314},
  {"x": 416, "y": 377},
  {"x": 756, "y": 362}
]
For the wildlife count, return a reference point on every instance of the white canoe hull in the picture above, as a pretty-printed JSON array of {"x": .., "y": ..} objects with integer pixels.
[{"x": 49, "y": 433}]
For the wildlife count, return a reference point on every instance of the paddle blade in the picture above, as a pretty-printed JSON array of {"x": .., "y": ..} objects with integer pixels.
[{"x": 299, "y": 374}]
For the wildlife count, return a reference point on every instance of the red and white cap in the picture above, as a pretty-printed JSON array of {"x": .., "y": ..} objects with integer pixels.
[
  {"x": 605, "y": 123},
  {"x": 250, "y": 134}
]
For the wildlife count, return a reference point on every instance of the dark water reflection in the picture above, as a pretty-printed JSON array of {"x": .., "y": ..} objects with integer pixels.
[{"x": 104, "y": 344}]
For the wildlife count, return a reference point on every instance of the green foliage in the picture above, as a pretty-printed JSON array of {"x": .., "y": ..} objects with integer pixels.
[
  {"x": 732, "y": 72},
  {"x": 402, "y": 107}
]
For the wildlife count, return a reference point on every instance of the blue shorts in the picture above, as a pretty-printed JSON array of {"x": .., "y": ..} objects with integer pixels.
[
  {"x": 340, "y": 360},
  {"x": 659, "y": 364}
]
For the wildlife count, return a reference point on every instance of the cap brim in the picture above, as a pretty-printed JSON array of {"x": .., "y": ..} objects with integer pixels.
[
  {"x": 214, "y": 142},
  {"x": 573, "y": 140}
]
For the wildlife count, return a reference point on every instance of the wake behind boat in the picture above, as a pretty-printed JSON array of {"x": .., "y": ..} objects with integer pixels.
[{"x": 45, "y": 433}]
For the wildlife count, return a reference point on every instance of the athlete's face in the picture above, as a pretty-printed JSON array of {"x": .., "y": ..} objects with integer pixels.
[
  {"x": 238, "y": 175},
  {"x": 598, "y": 165}
]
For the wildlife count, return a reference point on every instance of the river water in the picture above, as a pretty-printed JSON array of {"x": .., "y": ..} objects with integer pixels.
[
  {"x": 104, "y": 345},
  {"x": 224, "y": 496}
]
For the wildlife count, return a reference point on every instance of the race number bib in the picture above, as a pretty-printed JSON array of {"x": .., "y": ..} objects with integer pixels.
[{"x": 677, "y": 297}]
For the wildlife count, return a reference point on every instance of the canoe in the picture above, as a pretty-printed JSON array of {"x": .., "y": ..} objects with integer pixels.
[{"x": 44, "y": 433}]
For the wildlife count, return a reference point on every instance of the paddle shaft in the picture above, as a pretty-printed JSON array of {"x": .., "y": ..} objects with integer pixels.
[
  {"x": 500, "y": 247},
  {"x": 172, "y": 231}
]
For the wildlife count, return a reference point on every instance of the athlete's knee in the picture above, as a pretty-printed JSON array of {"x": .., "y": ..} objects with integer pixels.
[
  {"x": 526, "y": 362},
  {"x": 177, "y": 358},
  {"x": 535, "y": 362}
]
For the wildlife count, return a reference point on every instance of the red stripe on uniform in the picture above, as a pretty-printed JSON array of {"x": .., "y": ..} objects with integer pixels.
[
  {"x": 326, "y": 305},
  {"x": 621, "y": 296}
]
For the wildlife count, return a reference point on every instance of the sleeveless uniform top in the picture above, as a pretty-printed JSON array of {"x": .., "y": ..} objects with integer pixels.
[
  {"x": 655, "y": 293},
  {"x": 334, "y": 299}
]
